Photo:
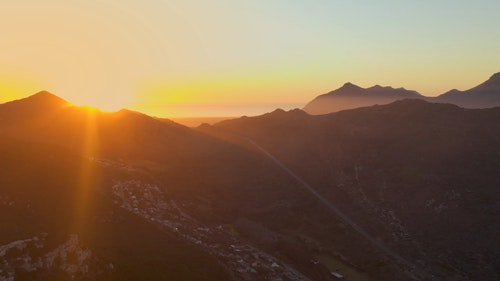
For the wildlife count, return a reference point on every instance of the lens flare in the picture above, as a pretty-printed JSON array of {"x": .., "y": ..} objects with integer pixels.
[{"x": 88, "y": 177}]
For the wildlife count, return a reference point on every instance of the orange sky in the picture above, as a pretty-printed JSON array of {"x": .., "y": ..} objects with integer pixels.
[{"x": 224, "y": 57}]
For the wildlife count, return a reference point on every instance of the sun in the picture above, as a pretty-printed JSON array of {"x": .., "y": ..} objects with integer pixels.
[
  {"x": 113, "y": 105},
  {"x": 105, "y": 103}
]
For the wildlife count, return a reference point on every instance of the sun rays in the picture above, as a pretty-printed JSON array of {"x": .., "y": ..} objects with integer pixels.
[{"x": 88, "y": 174}]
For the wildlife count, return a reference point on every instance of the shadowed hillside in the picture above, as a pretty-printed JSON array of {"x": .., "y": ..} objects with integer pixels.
[
  {"x": 157, "y": 181},
  {"x": 422, "y": 177},
  {"x": 400, "y": 191}
]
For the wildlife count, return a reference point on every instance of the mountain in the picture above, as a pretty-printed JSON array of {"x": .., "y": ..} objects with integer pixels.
[
  {"x": 418, "y": 177},
  {"x": 404, "y": 191},
  {"x": 42, "y": 100},
  {"x": 197, "y": 121},
  {"x": 351, "y": 96},
  {"x": 46, "y": 118},
  {"x": 89, "y": 195},
  {"x": 484, "y": 95},
  {"x": 16, "y": 112}
]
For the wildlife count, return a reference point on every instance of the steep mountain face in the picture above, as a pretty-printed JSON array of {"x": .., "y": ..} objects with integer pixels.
[
  {"x": 351, "y": 96},
  {"x": 420, "y": 177},
  {"x": 484, "y": 95}
]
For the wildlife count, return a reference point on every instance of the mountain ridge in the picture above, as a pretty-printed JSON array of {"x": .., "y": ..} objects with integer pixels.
[
  {"x": 427, "y": 169},
  {"x": 484, "y": 95},
  {"x": 420, "y": 177},
  {"x": 349, "y": 96},
  {"x": 142, "y": 181},
  {"x": 44, "y": 100}
]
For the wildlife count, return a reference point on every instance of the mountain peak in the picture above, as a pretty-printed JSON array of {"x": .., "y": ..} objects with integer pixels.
[
  {"x": 351, "y": 96},
  {"x": 494, "y": 79},
  {"x": 484, "y": 95},
  {"x": 45, "y": 98},
  {"x": 278, "y": 111},
  {"x": 491, "y": 85},
  {"x": 495, "y": 76},
  {"x": 44, "y": 93},
  {"x": 349, "y": 85},
  {"x": 381, "y": 88},
  {"x": 42, "y": 100}
]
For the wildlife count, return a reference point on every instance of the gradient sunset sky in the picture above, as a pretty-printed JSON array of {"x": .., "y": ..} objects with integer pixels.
[{"x": 176, "y": 58}]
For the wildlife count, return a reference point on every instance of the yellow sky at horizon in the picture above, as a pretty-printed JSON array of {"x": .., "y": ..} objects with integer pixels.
[
  {"x": 208, "y": 95},
  {"x": 156, "y": 54}
]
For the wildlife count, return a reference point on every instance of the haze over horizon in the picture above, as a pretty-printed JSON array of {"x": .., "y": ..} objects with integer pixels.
[{"x": 219, "y": 58}]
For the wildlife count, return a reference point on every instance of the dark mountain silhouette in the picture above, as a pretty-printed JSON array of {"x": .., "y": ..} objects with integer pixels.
[
  {"x": 43, "y": 100},
  {"x": 25, "y": 109},
  {"x": 484, "y": 95},
  {"x": 349, "y": 96},
  {"x": 422, "y": 177},
  {"x": 44, "y": 117},
  {"x": 197, "y": 121},
  {"x": 150, "y": 199},
  {"x": 151, "y": 190}
]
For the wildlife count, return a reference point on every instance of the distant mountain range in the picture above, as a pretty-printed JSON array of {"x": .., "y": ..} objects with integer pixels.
[
  {"x": 403, "y": 191},
  {"x": 350, "y": 96}
]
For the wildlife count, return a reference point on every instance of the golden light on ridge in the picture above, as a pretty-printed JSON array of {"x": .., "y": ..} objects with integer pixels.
[{"x": 105, "y": 104}]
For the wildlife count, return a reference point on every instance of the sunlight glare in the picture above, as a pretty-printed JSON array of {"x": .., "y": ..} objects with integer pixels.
[
  {"x": 109, "y": 105},
  {"x": 87, "y": 174}
]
